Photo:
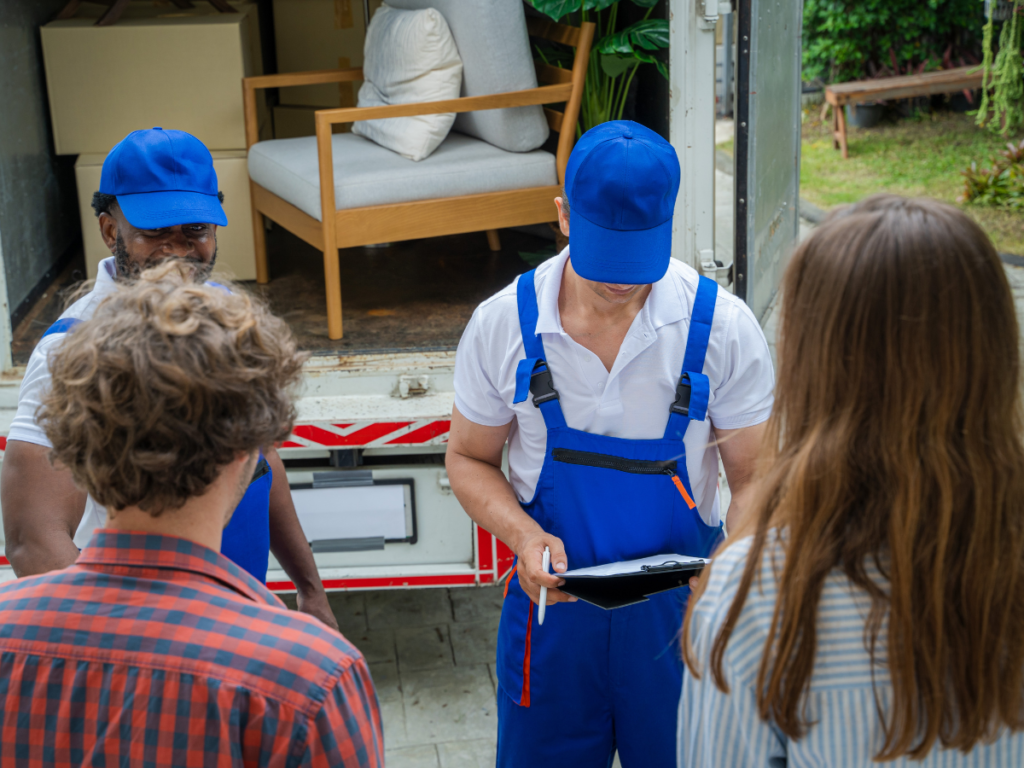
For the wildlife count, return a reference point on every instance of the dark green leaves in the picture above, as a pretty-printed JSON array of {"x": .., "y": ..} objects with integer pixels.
[
  {"x": 556, "y": 9},
  {"x": 614, "y": 66},
  {"x": 648, "y": 35}
]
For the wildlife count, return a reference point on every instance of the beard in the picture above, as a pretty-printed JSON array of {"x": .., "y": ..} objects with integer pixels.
[{"x": 130, "y": 270}]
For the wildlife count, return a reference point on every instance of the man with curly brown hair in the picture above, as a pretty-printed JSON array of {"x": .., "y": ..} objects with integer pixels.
[{"x": 153, "y": 648}]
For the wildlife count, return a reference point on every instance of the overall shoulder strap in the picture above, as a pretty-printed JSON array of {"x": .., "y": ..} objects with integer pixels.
[
  {"x": 63, "y": 325},
  {"x": 533, "y": 374},
  {"x": 694, "y": 389}
]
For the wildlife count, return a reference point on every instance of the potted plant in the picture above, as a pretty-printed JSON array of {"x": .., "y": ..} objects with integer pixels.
[{"x": 619, "y": 51}]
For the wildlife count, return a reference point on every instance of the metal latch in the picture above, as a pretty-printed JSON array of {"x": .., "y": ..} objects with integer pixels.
[
  {"x": 716, "y": 270},
  {"x": 710, "y": 10},
  {"x": 413, "y": 386}
]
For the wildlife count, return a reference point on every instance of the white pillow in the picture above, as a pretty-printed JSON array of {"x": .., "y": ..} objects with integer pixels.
[{"x": 410, "y": 56}]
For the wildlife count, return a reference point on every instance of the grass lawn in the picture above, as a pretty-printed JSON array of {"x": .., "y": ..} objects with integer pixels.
[{"x": 912, "y": 157}]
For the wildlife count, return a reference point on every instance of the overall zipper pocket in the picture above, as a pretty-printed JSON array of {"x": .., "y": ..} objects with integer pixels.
[{"x": 619, "y": 464}]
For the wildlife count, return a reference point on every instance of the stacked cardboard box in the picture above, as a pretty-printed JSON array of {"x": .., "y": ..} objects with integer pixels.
[
  {"x": 158, "y": 66},
  {"x": 311, "y": 35}
]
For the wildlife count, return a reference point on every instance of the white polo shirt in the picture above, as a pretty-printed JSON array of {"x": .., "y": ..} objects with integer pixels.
[
  {"x": 37, "y": 381},
  {"x": 631, "y": 401}
]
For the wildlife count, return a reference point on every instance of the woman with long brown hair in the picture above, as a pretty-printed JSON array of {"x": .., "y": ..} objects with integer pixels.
[{"x": 873, "y": 609}]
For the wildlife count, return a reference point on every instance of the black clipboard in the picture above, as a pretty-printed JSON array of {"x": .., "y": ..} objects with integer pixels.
[{"x": 617, "y": 585}]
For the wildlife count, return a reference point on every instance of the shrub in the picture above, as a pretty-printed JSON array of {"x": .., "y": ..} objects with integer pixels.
[
  {"x": 1001, "y": 185},
  {"x": 854, "y": 39}
]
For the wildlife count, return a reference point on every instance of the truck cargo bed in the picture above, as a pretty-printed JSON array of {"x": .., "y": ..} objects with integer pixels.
[{"x": 416, "y": 295}]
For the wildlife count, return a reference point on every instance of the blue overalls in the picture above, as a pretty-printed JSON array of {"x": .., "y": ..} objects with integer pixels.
[
  {"x": 246, "y": 538},
  {"x": 590, "y": 682}
]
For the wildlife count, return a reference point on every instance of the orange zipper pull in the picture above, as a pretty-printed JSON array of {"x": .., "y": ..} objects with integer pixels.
[{"x": 682, "y": 491}]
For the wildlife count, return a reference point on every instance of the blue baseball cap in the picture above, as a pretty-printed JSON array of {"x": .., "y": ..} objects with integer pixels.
[
  {"x": 162, "y": 179},
  {"x": 621, "y": 182}
]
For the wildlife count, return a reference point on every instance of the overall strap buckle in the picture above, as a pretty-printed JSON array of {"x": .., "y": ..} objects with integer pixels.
[
  {"x": 681, "y": 405},
  {"x": 542, "y": 385}
]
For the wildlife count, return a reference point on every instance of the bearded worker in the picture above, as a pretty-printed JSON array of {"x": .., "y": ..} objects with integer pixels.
[
  {"x": 617, "y": 377},
  {"x": 158, "y": 200}
]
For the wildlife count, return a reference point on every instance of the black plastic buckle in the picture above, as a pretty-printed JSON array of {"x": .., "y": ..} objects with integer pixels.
[
  {"x": 682, "y": 401},
  {"x": 542, "y": 385}
]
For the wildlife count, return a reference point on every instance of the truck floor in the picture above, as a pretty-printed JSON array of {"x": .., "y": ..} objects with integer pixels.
[{"x": 415, "y": 295}]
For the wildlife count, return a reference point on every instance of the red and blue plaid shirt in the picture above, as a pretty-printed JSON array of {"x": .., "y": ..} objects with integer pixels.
[{"x": 156, "y": 651}]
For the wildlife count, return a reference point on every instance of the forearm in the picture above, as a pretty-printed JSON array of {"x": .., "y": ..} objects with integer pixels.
[
  {"x": 739, "y": 505},
  {"x": 37, "y": 551},
  {"x": 41, "y": 510},
  {"x": 287, "y": 540},
  {"x": 488, "y": 498}
]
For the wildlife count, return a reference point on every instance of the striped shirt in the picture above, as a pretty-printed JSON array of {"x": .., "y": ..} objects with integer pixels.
[
  {"x": 718, "y": 729},
  {"x": 156, "y": 651}
]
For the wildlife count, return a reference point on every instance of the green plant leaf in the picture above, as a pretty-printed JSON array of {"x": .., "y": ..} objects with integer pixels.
[
  {"x": 598, "y": 5},
  {"x": 556, "y": 9},
  {"x": 614, "y": 66},
  {"x": 645, "y": 3},
  {"x": 650, "y": 34},
  {"x": 617, "y": 43},
  {"x": 648, "y": 58}
]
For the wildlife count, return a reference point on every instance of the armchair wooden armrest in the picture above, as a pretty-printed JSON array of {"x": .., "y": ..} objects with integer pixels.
[
  {"x": 325, "y": 118},
  {"x": 547, "y": 94},
  {"x": 251, "y": 84}
]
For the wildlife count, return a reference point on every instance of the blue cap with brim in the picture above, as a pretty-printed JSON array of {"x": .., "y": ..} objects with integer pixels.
[
  {"x": 163, "y": 179},
  {"x": 621, "y": 181}
]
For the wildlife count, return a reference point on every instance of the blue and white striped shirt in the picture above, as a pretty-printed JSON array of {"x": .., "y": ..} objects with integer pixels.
[{"x": 717, "y": 729}]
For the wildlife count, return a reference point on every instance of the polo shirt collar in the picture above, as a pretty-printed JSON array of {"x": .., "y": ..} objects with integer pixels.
[
  {"x": 136, "y": 549},
  {"x": 665, "y": 305}
]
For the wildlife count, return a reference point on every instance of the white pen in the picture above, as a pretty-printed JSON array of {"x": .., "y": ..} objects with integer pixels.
[{"x": 545, "y": 564}]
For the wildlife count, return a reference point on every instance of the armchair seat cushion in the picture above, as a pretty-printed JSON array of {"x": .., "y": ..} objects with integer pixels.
[{"x": 368, "y": 174}]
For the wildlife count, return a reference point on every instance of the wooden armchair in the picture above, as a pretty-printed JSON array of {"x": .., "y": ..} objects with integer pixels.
[{"x": 348, "y": 227}]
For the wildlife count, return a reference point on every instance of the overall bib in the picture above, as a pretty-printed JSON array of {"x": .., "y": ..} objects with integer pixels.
[
  {"x": 246, "y": 539},
  {"x": 592, "y": 681}
]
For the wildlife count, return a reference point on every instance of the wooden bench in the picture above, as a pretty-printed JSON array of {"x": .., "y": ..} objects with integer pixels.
[{"x": 903, "y": 87}]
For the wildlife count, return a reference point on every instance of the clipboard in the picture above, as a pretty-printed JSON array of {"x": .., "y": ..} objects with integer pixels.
[{"x": 616, "y": 585}]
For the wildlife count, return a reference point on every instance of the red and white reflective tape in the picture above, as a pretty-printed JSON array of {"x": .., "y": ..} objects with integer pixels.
[
  {"x": 358, "y": 434},
  {"x": 369, "y": 434}
]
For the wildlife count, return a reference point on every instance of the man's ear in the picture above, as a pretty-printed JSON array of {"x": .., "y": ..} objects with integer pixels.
[
  {"x": 563, "y": 217},
  {"x": 108, "y": 230}
]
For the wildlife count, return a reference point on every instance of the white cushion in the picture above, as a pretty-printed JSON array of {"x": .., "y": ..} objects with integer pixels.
[
  {"x": 496, "y": 57},
  {"x": 410, "y": 56},
  {"x": 367, "y": 174}
]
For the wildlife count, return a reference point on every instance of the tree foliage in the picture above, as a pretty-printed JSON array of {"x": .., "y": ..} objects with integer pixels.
[{"x": 856, "y": 39}]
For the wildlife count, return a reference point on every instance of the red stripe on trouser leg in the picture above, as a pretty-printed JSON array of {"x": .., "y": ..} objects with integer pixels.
[
  {"x": 525, "y": 699},
  {"x": 509, "y": 580}
]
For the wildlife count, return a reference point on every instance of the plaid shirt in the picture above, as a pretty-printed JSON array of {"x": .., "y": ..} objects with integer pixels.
[{"x": 155, "y": 651}]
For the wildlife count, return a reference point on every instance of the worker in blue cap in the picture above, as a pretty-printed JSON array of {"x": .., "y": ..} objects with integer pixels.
[
  {"x": 617, "y": 377},
  {"x": 158, "y": 199}
]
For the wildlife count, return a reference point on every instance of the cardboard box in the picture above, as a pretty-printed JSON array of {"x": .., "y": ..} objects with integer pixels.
[
  {"x": 291, "y": 121},
  {"x": 236, "y": 255},
  {"x": 319, "y": 34},
  {"x": 158, "y": 66}
]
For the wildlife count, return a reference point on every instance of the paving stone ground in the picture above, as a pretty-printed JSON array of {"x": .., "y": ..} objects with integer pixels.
[{"x": 431, "y": 654}]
